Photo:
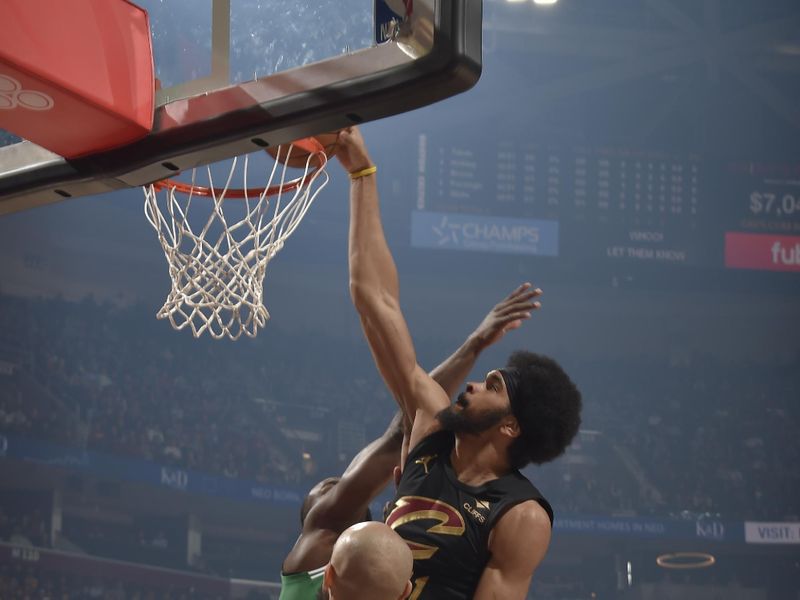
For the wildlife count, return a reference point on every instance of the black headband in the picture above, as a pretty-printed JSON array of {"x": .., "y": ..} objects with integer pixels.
[{"x": 511, "y": 377}]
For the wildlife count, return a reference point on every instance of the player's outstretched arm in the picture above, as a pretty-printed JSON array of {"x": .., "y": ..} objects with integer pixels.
[
  {"x": 375, "y": 290},
  {"x": 506, "y": 315},
  {"x": 518, "y": 543}
]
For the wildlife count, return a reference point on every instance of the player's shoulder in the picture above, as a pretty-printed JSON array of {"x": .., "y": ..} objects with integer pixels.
[
  {"x": 527, "y": 522},
  {"x": 530, "y": 512},
  {"x": 312, "y": 549},
  {"x": 519, "y": 541},
  {"x": 515, "y": 488}
]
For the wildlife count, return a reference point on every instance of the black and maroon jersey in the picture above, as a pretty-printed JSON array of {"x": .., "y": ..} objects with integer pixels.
[{"x": 447, "y": 523}]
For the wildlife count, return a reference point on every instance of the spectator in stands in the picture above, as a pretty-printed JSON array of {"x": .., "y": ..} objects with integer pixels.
[{"x": 72, "y": 384}]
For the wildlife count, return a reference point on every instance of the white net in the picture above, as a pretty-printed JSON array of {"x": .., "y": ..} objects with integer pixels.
[{"x": 217, "y": 261}]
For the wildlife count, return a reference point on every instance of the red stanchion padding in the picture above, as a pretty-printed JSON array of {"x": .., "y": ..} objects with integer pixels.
[{"x": 76, "y": 77}]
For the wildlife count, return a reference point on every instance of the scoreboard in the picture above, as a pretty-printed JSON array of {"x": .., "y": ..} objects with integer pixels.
[{"x": 606, "y": 204}]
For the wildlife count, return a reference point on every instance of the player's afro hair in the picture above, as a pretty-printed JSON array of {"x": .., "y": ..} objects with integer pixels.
[{"x": 547, "y": 406}]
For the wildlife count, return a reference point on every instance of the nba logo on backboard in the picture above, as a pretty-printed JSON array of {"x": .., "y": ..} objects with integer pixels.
[{"x": 388, "y": 15}]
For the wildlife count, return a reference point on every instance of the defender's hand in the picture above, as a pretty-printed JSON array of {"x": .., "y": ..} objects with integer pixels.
[
  {"x": 507, "y": 315},
  {"x": 352, "y": 151}
]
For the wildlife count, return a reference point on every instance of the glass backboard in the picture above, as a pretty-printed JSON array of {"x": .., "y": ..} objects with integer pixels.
[
  {"x": 205, "y": 45},
  {"x": 234, "y": 76}
]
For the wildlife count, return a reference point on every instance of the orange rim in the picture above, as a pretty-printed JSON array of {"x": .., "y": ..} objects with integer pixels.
[{"x": 309, "y": 144}]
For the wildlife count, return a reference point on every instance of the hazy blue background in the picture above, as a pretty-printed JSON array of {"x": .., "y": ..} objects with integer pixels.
[{"x": 689, "y": 368}]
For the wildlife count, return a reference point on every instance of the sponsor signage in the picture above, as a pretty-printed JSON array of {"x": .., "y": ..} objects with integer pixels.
[
  {"x": 142, "y": 471},
  {"x": 458, "y": 231},
  {"x": 621, "y": 526},
  {"x": 710, "y": 530},
  {"x": 772, "y": 532},
  {"x": 197, "y": 482},
  {"x": 175, "y": 478},
  {"x": 762, "y": 251},
  {"x": 705, "y": 529}
]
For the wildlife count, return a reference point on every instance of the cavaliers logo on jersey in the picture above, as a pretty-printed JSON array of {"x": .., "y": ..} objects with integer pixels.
[{"x": 415, "y": 508}]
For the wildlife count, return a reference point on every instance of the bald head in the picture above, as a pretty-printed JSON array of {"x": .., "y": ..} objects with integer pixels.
[{"x": 369, "y": 562}]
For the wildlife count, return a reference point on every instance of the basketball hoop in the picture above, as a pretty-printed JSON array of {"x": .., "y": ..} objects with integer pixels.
[{"x": 217, "y": 263}]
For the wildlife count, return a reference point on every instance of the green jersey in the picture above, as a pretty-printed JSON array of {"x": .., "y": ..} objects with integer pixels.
[{"x": 302, "y": 586}]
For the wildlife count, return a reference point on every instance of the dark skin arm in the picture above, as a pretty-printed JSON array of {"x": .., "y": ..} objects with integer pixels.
[
  {"x": 347, "y": 501},
  {"x": 518, "y": 544},
  {"x": 506, "y": 315}
]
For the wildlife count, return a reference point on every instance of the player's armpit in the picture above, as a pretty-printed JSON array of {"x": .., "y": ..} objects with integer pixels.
[{"x": 518, "y": 543}]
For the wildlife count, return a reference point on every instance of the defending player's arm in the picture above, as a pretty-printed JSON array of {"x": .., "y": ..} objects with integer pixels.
[
  {"x": 366, "y": 475},
  {"x": 346, "y": 503},
  {"x": 518, "y": 543},
  {"x": 506, "y": 315}
]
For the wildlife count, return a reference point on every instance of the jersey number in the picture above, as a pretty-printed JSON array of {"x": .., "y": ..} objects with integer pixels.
[{"x": 419, "y": 585}]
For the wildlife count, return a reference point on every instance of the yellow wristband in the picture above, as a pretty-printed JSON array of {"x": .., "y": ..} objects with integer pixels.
[{"x": 364, "y": 172}]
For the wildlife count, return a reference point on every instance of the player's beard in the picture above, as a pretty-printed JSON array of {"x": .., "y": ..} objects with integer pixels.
[{"x": 461, "y": 422}]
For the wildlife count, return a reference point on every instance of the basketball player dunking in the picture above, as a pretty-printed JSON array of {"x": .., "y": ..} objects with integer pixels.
[
  {"x": 336, "y": 503},
  {"x": 476, "y": 526}
]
